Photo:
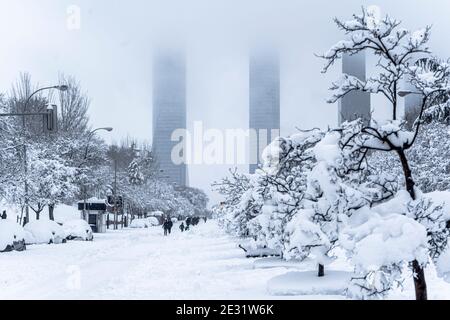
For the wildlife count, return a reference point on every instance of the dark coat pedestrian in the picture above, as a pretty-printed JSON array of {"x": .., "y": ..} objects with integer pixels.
[
  {"x": 170, "y": 225},
  {"x": 166, "y": 227},
  {"x": 182, "y": 227},
  {"x": 4, "y": 216}
]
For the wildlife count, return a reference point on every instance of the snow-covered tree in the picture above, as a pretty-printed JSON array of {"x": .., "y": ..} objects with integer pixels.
[
  {"x": 236, "y": 209},
  {"x": 198, "y": 199},
  {"x": 333, "y": 192},
  {"x": 396, "y": 49},
  {"x": 51, "y": 180},
  {"x": 282, "y": 184},
  {"x": 135, "y": 176}
]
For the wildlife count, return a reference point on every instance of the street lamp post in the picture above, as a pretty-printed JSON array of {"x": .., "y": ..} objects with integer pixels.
[
  {"x": 90, "y": 135},
  {"x": 61, "y": 88}
]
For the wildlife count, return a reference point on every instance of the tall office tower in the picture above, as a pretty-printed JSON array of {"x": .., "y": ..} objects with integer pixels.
[
  {"x": 169, "y": 113},
  {"x": 355, "y": 104},
  {"x": 264, "y": 99},
  {"x": 413, "y": 102},
  {"x": 412, "y": 106}
]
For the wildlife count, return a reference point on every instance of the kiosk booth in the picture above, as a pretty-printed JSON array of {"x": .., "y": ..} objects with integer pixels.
[{"x": 94, "y": 212}]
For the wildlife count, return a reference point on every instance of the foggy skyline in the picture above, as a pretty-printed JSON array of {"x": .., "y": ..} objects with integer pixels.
[{"x": 111, "y": 56}]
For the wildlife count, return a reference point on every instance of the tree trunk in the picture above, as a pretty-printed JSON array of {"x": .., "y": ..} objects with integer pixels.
[
  {"x": 51, "y": 208},
  {"x": 321, "y": 271},
  {"x": 409, "y": 182},
  {"x": 420, "y": 283},
  {"x": 38, "y": 215}
]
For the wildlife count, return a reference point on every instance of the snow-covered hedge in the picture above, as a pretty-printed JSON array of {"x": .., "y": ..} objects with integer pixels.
[
  {"x": 12, "y": 236},
  {"x": 44, "y": 232},
  {"x": 144, "y": 223},
  {"x": 78, "y": 230}
]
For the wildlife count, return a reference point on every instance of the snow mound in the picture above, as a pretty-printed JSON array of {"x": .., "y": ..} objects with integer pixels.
[
  {"x": 308, "y": 283},
  {"x": 144, "y": 223},
  {"x": 11, "y": 234},
  {"x": 78, "y": 229},
  {"x": 259, "y": 252},
  {"x": 44, "y": 232},
  {"x": 274, "y": 262}
]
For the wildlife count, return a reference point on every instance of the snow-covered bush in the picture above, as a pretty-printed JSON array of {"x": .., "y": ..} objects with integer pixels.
[
  {"x": 44, "y": 232},
  {"x": 12, "y": 236},
  {"x": 78, "y": 230}
]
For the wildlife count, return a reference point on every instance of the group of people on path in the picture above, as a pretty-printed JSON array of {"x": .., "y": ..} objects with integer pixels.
[
  {"x": 184, "y": 226},
  {"x": 191, "y": 221}
]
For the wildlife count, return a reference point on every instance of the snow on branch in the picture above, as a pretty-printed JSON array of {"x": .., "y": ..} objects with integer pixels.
[{"x": 385, "y": 38}]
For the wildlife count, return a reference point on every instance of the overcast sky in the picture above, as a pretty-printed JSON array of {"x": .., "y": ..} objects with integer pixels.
[{"x": 111, "y": 55}]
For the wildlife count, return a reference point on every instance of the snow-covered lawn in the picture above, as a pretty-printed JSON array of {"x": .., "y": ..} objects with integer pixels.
[{"x": 203, "y": 263}]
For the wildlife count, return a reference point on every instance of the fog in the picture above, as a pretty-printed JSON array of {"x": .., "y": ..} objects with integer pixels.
[{"x": 111, "y": 55}]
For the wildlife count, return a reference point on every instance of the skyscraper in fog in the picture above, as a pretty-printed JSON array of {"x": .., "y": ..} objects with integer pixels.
[
  {"x": 169, "y": 111},
  {"x": 264, "y": 102},
  {"x": 355, "y": 104},
  {"x": 413, "y": 102}
]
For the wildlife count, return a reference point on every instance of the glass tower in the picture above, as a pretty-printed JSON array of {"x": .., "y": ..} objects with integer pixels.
[
  {"x": 169, "y": 112},
  {"x": 264, "y": 103},
  {"x": 355, "y": 104}
]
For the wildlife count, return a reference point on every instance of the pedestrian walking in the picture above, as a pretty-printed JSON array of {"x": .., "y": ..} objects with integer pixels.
[
  {"x": 188, "y": 222},
  {"x": 182, "y": 227},
  {"x": 170, "y": 225},
  {"x": 4, "y": 216},
  {"x": 166, "y": 227}
]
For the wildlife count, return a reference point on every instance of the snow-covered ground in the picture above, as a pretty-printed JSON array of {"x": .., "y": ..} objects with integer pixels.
[{"x": 203, "y": 263}]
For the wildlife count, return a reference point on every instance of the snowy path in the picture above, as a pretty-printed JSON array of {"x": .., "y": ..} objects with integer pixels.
[
  {"x": 138, "y": 264},
  {"x": 142, "y": 264}
]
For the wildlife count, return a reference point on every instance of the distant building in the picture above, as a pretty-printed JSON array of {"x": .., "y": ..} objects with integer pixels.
[
  {"x": 264, "y": 102},
  {"x": 413, "y": 102},
  {"x": 169, "y": 111},
  {"x": 412, "y": 106},
  {"x": 355, "y": 104}
]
